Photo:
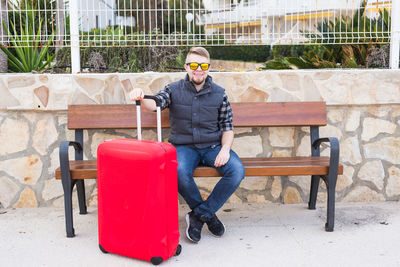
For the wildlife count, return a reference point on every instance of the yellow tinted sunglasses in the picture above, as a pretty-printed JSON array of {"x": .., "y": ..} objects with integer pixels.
[{"x": 194, "y": 65}]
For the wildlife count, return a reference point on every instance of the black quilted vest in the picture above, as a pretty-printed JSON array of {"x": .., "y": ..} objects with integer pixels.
[{"x": 194, "y": 115}]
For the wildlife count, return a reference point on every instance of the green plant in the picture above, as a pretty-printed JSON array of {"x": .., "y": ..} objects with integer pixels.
[
  {"x": 252, "y": 53},
  {"x": 340, "y": 31},
  {"x": 26, "y": 56},
  {"x": 38, "y": 10},
  {"x": 356, "y": 30}
]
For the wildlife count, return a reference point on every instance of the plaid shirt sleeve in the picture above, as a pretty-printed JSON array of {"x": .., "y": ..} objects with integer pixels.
[
  {"x": 165, "y": 97},
  {"x": 225, "y": 115}
]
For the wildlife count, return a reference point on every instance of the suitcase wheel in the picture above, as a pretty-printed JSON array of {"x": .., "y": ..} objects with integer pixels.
[
  {"x": 156, "y": 260},
  {"x": 102, "y": 249},
  {"x": 178, "y": 250}
]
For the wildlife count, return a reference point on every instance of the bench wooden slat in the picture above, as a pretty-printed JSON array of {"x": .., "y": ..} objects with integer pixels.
[
  {"x": 111, "y": 117},
  {"x": 244, "y": 115},
  {"x": 279, "y": 114},
  {"x": 87, "y": 169}
]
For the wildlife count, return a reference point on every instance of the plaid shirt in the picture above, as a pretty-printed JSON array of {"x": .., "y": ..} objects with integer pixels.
[{"x": 225, "y": 115}]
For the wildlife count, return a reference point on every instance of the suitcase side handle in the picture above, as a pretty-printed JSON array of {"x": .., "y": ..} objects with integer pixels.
[{"x": 139, "y": 122}]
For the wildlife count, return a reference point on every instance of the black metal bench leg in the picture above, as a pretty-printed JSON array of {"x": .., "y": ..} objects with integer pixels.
[
  {"x": 69, "y": 224},
  {"x": 330, "y": 217},
  {"x": 80, "y": 187},
  {"x": 68, "y": 184},
  {"x": 313, "y": 191},
  {"x": 331, "y": 188}
]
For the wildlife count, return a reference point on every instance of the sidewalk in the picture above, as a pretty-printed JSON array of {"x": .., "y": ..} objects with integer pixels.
[{"x": 366, "y": 234}]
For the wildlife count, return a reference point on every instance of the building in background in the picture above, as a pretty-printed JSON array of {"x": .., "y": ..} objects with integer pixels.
[
  {"x": 100, "y": 14},
  {"x": 276, "y": 21}
]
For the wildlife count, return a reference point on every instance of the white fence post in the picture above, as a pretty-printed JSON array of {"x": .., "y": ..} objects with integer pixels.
[
  {"x": 74, "y": 30},
  {"x": 395, "y": 36}
]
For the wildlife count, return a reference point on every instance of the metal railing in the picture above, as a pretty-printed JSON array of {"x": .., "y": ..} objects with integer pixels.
[
  {"x": 133, "y": 23},
  {"x": 190, "y": 22}
]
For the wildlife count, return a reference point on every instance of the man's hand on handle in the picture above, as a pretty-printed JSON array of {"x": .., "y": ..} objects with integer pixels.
[{"x": 138, "y": 94}]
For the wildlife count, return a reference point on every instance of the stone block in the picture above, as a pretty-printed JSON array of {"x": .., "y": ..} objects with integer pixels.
[
  {"x": 234, "y": 199},
  {"x": 346, "y": 179},
  {"x": 257, "y": 198},
  {"x": 247, "y": 146},
  {"x": 276, "y": 188},
  {"x": 92, "y": 201},
  {"x": 304, "y": 149},
  {"x": 19, "y": 81},
  {"x": 387, "y": 92},
  {"x": 159, "y": 82},
  {"x": 378, "y": 111},
  {"x": 149, "y": 135},
  {"x": 350, "y": 151},
  {"x": 303, "y": 181},
  {"x": 14, "y": 136},
  {"x": 353, "y": 121},
  {"x": 204, "y": 194},
  {"x": 8, "y": 191},
  {"x": 310, "y": 89},
  {"x": 52, "y": 189},
  {"x": 363, "y": 194},
  {"x": 290, "y": 81},
  {"x": 385, "y": 149},
  {"x": 240, "y": 130},
  {"x": 277, "y": 94},
  {"x": 281, "y": 153},
  {"x": 372, "y": 171},
  {"x": 25, "y": 169},
  {"x": 281, "y": 136},
  {"x": 393, "y": 183},
  {"x": 113, "y": 92},
  {"x": 336, "y": 115},
  {"x": 292, "y": 196},
  {"x": 6, "y": 98},
  {"x": 43, "y": 78},
  {"x": 207, "y": 183},
  {"x": 45, "y": 134},
  {"x": 90, "y": 85},
  {"x": 253, "y": 95},
  {"x": 254, "y": 183},
  {"x": 27, "y": 199},
  {"x": 335, "y": 90},
  {"x": 395, "y": 112},
  {"x": 358, "y": 93},
  {"x": 42, "y": 93},
  {"x": 330, "y": 131},
  {"x": 372, "y": 127},
  {"x": 127, "y": 85}
]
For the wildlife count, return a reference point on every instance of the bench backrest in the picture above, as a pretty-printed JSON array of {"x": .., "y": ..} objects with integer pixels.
[{"x": 249, "y": 114}]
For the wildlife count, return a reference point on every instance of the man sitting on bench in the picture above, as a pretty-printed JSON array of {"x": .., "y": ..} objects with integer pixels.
[{"x": 202, "y": 132}]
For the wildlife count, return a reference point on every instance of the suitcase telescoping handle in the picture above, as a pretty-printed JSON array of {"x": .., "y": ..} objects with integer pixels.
[{"x": 139, "y": 122}]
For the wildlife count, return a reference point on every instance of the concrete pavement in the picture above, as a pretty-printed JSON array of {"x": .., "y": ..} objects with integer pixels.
[{"x": 366, "y": 234}]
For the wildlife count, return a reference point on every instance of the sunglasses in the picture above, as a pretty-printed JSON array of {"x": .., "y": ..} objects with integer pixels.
[{"x": 194, "y": 65}]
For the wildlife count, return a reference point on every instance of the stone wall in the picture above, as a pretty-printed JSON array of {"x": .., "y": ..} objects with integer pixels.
[{"x": 363, "y": 112}]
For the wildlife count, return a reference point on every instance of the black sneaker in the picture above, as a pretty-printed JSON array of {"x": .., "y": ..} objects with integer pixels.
[
  {"x": 194, "y": 226},
  {"x": 215, "y": 226}
]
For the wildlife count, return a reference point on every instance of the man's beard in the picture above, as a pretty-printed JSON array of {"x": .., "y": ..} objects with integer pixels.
[{"x": 197, "y": 82}]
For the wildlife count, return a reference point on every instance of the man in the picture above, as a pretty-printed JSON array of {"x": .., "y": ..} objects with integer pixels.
[{"x": 202, "y": 132}]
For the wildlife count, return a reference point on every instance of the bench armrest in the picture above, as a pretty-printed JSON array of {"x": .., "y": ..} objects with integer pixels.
[
  {"x": 334, "y": 154},
  {"x": 64, "y": 157}
]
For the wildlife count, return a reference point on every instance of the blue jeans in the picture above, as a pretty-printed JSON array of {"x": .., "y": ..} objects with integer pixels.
[{"x": 233, "y": 173}]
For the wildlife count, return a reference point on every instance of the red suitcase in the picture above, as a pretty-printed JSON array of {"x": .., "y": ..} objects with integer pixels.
[{"x": 138, "y": 198}]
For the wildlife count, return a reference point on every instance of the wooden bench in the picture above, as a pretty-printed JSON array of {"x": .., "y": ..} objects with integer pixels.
[{"x": 312, "y": 114}]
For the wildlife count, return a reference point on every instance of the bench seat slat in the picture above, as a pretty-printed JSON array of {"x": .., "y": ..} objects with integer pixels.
[{"x": 87, "y": 169}]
